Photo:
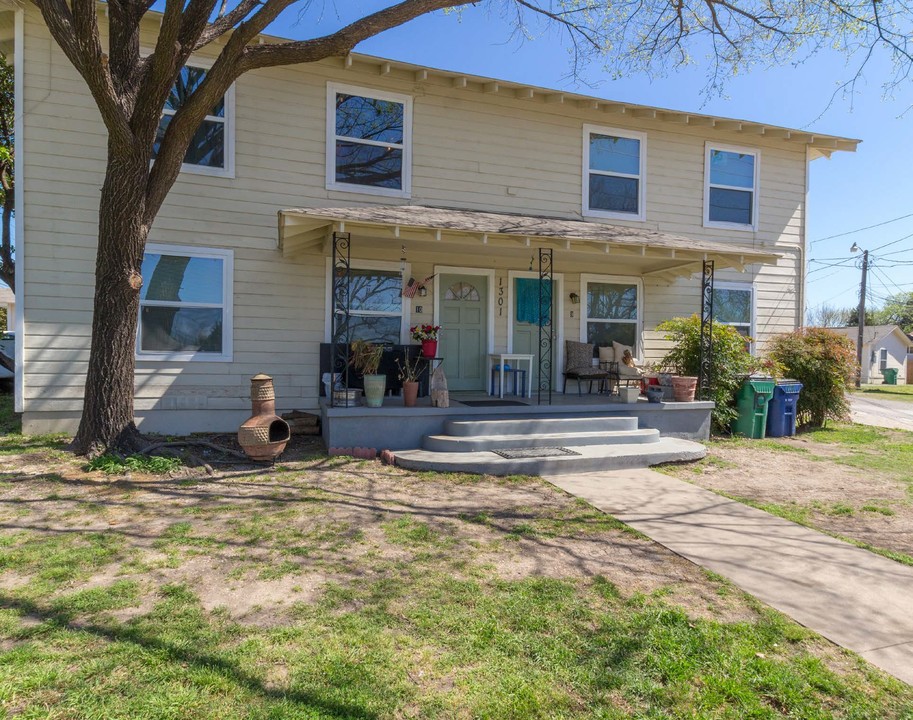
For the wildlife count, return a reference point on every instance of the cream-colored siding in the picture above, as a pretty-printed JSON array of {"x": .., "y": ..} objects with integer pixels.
[{"x": 470, "y": 150}]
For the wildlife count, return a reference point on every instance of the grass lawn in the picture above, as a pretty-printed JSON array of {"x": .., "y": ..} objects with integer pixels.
[
  {"x": 851, "y": 481},
  {"x": 335, "y": 588},
  {"x": 888, "y": 392}
]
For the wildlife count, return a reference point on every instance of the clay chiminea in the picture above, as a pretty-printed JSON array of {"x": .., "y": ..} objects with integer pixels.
[{"x": 265, "y": 434}]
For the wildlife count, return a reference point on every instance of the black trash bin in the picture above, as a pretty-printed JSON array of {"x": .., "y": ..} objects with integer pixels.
[{"x": 781, "y": 411}]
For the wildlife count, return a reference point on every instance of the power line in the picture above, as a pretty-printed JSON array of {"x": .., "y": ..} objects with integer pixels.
[
  {"x": 853, "y": 232},
  {"x": 893, "y": 242}
]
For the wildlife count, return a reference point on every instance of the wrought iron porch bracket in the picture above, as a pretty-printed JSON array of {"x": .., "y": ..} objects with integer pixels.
[
  {"x": 705, "y": 367},
  {"x": 340, "y": 337},
  {"x": 546, "y": 325}
]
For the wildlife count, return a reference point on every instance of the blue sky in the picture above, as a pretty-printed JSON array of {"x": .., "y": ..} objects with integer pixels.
[{"x": 849, "y": 191}]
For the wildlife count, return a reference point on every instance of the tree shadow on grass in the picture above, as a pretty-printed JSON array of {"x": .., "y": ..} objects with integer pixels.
[{"x": 184, "y": 656}]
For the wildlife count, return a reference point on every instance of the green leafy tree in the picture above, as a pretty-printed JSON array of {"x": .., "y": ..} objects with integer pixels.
[
  {"x": 7, "y": 158},
  {"x": 130, "y": 89},
  {"x": 730, "y": 362},
  {"x": 897, "y": 310},
  {"x": 825, "y": 363}
]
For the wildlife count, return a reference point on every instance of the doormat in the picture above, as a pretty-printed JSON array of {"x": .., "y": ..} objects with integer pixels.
[
  {"x": 491, "y": 403},
  {"x": 534, "y": 452}
]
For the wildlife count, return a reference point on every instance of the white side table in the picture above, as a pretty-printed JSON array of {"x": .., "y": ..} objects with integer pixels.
[{"x": 500, "y": 358}]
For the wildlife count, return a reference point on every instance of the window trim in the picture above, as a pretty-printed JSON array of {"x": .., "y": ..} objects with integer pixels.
[
  {"x": 746, "y": 287},
  {"x": 331, "y": 137},
  {"x": 360, "y": 264},
  {"x": 882, "y": 360},
  {"x": 755, "y": 190},
  {"x": 228, "y": 260},
  {"x": 641, "y": 214},
  {"x": 229, "y": 153},
  {"x": 586, "y": 278}
]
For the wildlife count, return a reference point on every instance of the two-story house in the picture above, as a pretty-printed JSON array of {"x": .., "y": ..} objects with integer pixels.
[{"x": 430, "y": 174}]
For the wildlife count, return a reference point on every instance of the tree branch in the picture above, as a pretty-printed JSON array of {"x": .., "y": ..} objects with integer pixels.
[
  {"x": 226, "y": 22},
  {"x": 340, "y": 42},
  {"x": 77, "y": 35}
]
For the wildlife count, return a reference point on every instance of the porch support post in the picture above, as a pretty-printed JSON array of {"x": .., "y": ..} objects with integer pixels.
[
  {"x": 546, "y": 325},
  {"x": 340, "y": 336},
  {"x": 705, "y": 369}
]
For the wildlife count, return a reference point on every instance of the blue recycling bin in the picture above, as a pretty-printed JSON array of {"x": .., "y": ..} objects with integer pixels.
[{"x": 781, "y": 411}]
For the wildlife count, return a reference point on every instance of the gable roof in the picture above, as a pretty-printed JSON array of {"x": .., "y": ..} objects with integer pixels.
[
  {"x": 821, "y": 145},
  {"x": 603, "y": 109},
  {"x": 871, "y": 333}
]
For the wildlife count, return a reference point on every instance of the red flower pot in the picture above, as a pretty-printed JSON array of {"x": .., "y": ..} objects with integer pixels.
[{"x": 429, "y": 348}]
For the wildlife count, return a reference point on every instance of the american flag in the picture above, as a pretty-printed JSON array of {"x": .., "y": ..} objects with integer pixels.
[{"x": 412, "y": 286}]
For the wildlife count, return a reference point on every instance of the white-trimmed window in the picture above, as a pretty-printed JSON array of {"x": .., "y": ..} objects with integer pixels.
[
  {"x": 369, "y": 141},
  {"x": 612, "y": 310},
  {"x": 211, "y": 151},
  {"x": 733, "y": 304},
  {"x": 614, "y": 173},
  {"x": 185, "y": 304},
  {"x": 377, "y": 312},
  {"x": 882, "y": 359},
  {"x": 731, "y": 187}
]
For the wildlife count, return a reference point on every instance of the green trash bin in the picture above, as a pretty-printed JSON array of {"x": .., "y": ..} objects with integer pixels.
[
  {"x": 751, "y": 402},
  {"x": 890, "y": 376}
]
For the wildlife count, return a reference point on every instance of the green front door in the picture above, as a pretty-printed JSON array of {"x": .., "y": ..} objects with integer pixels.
[{"x": 464, "y": 322}]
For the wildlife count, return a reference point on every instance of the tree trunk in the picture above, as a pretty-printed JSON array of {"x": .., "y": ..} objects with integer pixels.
[{"x": 107, "y": 416}]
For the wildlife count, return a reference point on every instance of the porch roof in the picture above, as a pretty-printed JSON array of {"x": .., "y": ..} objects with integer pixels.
[{"x": 665, "y": 253}]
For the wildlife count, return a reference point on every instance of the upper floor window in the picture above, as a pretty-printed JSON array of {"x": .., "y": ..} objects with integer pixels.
[
  {"x": 185, "y": 304},
  {"x": 614, "y": 169},
  {"x": 369, "y": 141},
  {"x": 211, "y": 151},
  {"x": 731, "y": 188}
]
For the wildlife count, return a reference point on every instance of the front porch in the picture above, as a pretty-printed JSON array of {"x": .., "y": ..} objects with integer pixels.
[{"x": 394, "y": 427}]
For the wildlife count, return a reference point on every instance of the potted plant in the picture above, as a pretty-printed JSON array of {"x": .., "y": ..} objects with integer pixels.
[
  {"x": 366, "y": 359},
  {"x": 427, "y": 335},
  {"x": 408, "y": 373}
]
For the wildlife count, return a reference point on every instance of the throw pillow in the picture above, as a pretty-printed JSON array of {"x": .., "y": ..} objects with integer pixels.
[
  {"x": 620, "y": 350},
  {"x": 579, "y": 355},
  {"x": 606, "y": 354}
]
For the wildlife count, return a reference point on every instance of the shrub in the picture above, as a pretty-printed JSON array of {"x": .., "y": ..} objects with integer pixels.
[
  {"x": 825, "y": 363},
  {"x": 152, "y": 464},
  {"x": 730, "y": 361}
]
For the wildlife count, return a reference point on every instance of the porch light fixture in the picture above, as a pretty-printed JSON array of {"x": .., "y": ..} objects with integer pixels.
[
  {"x": 423, "y": 291},
  {"x": 575, "y": 299}
]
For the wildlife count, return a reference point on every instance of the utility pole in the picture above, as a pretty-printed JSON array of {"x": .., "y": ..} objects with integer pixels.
[{"x": 865, "y": 270}]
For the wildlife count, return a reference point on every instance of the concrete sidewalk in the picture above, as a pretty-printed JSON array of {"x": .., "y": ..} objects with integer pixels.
[
  {"x": 881, "y": 412},
  {"x": 853, "y": 597}
]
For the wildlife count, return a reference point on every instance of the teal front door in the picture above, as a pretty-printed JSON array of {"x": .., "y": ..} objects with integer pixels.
[{"x": 464, "y": 323}]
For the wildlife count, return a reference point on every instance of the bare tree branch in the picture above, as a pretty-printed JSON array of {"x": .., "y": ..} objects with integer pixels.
[
  {"x": 77, "y": 34},
  {"x": 340, "y": 42}
]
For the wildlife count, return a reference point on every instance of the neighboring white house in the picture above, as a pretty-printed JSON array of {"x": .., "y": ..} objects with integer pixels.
[
  {"x": 8, "y": 303},
  {"x": 431, "y": 173},
  {"x": 883, "y": 346}
]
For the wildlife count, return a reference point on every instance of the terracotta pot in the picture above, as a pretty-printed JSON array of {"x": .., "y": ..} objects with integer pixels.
[
  {"x": 683, "y": 388},
  {"x": 429, "y": 348},
  {"x": 410, "y": 393},
  {"x": 375, "y": 387}
]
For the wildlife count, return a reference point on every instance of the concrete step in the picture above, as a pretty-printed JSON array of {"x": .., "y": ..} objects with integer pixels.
[
  {"x": 476, "y": 443},
  {"x": 591, "y": 458},
  {"x": 536, "y": 426}
]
